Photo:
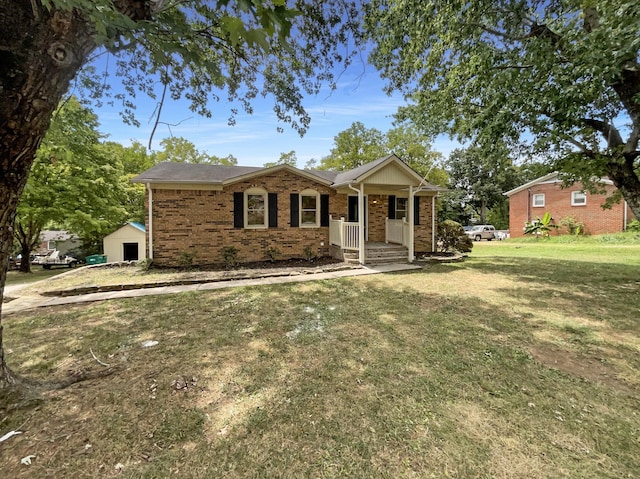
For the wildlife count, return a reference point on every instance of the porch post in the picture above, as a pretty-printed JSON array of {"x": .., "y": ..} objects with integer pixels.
[
  {"x": 411, "y": 223},
  {"x": 361, "y": 224}
]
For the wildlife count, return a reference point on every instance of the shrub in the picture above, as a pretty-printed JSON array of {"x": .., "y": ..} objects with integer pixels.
[
  {"x": 145, "y": 264},
  {"x": 451, "y": 237},
  {"x": 185, "y": 259},
  {"x": 573, "y": 225},
  {"x": 230, "y": 256},
  {"x": 271, "y": 254},
  {"x": 634, "y": 225},
  {"x": 309, "y": 253}
]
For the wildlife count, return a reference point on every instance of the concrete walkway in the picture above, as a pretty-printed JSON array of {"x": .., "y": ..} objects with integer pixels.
[{"x": 23, "y": 303}]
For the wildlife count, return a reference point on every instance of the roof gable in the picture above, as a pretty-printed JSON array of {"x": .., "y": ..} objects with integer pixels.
[{"x": 370, "y": 171}]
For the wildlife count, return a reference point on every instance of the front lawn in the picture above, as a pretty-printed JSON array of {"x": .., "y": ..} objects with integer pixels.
[{"x": 522, "y": 361}]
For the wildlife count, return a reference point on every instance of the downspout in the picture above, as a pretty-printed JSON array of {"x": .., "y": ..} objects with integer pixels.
[
  {"x": 433, "y": 223},
  {"x": 528, "y": 205},
  {"x": 625, "y": 216},
  {"x": 150, "y": 221},
  {"x": 412, "y": 227},
  {"x": 360, "y": 192}
]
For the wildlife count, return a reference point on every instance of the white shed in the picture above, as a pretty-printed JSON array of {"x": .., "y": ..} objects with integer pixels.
[{"x": 126, "y": 244}]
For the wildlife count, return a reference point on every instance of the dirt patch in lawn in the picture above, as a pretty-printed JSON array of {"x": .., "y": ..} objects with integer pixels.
[{"x": 582, "y": 366}]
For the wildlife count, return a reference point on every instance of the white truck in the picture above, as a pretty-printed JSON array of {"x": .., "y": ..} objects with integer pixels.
[{"x": 56, "y": 259}]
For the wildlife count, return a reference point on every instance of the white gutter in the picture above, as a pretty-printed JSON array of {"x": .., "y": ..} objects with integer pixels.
[
  {"x": 433, "y": 223},
  {"x": 412, "y": 207},
  {"x": 150, "y": 220},
  {"x": 360, "y": 192}
]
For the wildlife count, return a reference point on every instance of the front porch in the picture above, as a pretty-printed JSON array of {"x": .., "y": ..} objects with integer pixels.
[{"x": 345, "y": 238}]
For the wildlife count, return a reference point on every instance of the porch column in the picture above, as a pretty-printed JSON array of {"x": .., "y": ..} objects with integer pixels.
[
  {"x": 361, "y": 224},
  {"x": 411, "y": 223}
]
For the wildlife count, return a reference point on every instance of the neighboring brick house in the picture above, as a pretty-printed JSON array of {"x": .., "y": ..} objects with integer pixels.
[
  {"x": 201, "y": 209},
  {"x": 546, "y": 194}
]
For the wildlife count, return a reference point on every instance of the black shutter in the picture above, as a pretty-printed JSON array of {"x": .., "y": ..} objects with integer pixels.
[
  {"x": 324, "y": 210},
  {"x": 238, "y": 210},
  {"x": 392, "y": 207},
  {"x": 416, "y": 210},
  {"x": 295, "y": 210},
  {"x": 273, "y": 210},
  {"x": 352, "y": 207}
]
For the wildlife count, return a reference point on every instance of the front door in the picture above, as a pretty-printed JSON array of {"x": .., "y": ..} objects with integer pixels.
[
  {"x": 130, "y": 252},
  {"x": 352, "y": 213}
]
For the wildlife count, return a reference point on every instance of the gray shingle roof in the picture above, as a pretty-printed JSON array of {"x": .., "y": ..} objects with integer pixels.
[{"x": 169, "y": 172}]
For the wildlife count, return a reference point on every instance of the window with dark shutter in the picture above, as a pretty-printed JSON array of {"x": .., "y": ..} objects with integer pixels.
[{"x": 416, "y": 210}]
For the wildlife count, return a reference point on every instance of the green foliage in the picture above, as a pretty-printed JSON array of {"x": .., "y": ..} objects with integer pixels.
[
  {"x": 185, "y": 259},
  {"x": 289, "y": 158},
  {"x": 181, "y": 150},
  {"x": 451, "y": 237},
  {"x": 76, "y": 183},
  {"x": 498, "y": 216},
  {"x": 232, "y": 50},
  {"x": 544, "y": 78},
  {"x": 358, "y": 145},
  {"x": 271, "y": 254},
  {"x": 634, "y": 225},
  {"x": 353, "y": 147},
  {"x": 540, "y": 226},
  {"x": 230, "y": 256},
  {"x": 573, "y": 225},
  {"x": 309, "y": 253}
]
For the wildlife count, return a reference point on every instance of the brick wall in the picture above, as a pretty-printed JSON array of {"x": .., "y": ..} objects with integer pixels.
[
  {"x": 558, "y": 204},
  {"x": 201, "y": 222}
]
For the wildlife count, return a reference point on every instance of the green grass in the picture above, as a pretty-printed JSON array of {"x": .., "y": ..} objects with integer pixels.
[{"x": 519, "y": 362}]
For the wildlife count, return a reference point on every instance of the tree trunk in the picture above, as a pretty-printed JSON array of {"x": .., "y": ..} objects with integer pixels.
[
  {"x": 42, "y": 50},
  {"x": 25, "y": 260},
  {"x": 626, "y": 180}
]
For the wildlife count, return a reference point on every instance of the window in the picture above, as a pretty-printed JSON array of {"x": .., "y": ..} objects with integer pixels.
[
  {"x": 309, "y": 209},
  {"x": 538, "y": 200},
  {"x": 402, "y": 205},
  {"x": 578, "y": 198},
  {"x": 256, "y": 208}
]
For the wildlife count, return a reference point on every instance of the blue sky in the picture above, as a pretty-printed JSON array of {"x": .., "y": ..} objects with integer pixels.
[{"x": 254, "y": 139}]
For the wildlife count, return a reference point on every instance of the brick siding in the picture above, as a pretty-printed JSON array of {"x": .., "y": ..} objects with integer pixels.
[
  {"x": 558, "y": 203},
  {"x": 200, "y": 222}
]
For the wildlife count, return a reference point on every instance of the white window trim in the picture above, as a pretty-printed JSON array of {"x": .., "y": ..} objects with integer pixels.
[
  {"x": 309, "y": 192},
  {"x": 533, "y": 200},
  {"x": 256, "y": 191},
  {"x": 573, "y": 195},
  {"x": 406, "y": 211}
]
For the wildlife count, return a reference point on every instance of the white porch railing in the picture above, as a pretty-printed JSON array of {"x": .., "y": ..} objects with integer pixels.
[
  {"x": 344, "y": 234},
  {"x": 393, "y": 231},
  {"x": 397, "y": 231}
]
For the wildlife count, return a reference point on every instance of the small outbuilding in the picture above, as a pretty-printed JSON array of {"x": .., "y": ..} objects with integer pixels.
[{"x": 126, "y": 244}]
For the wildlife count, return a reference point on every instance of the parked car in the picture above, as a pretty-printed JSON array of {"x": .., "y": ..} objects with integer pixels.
[{"x": 480, "y": 232}]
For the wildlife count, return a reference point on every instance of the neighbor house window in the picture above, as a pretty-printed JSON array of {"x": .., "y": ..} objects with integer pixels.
[
  {"x": 402, "y": 206},
  {"x": 309, "y": 209},
  {"x": 256, "y": 208},
  {"x": 538, "y": 200},
  {"x": 578, "y": 198}
]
